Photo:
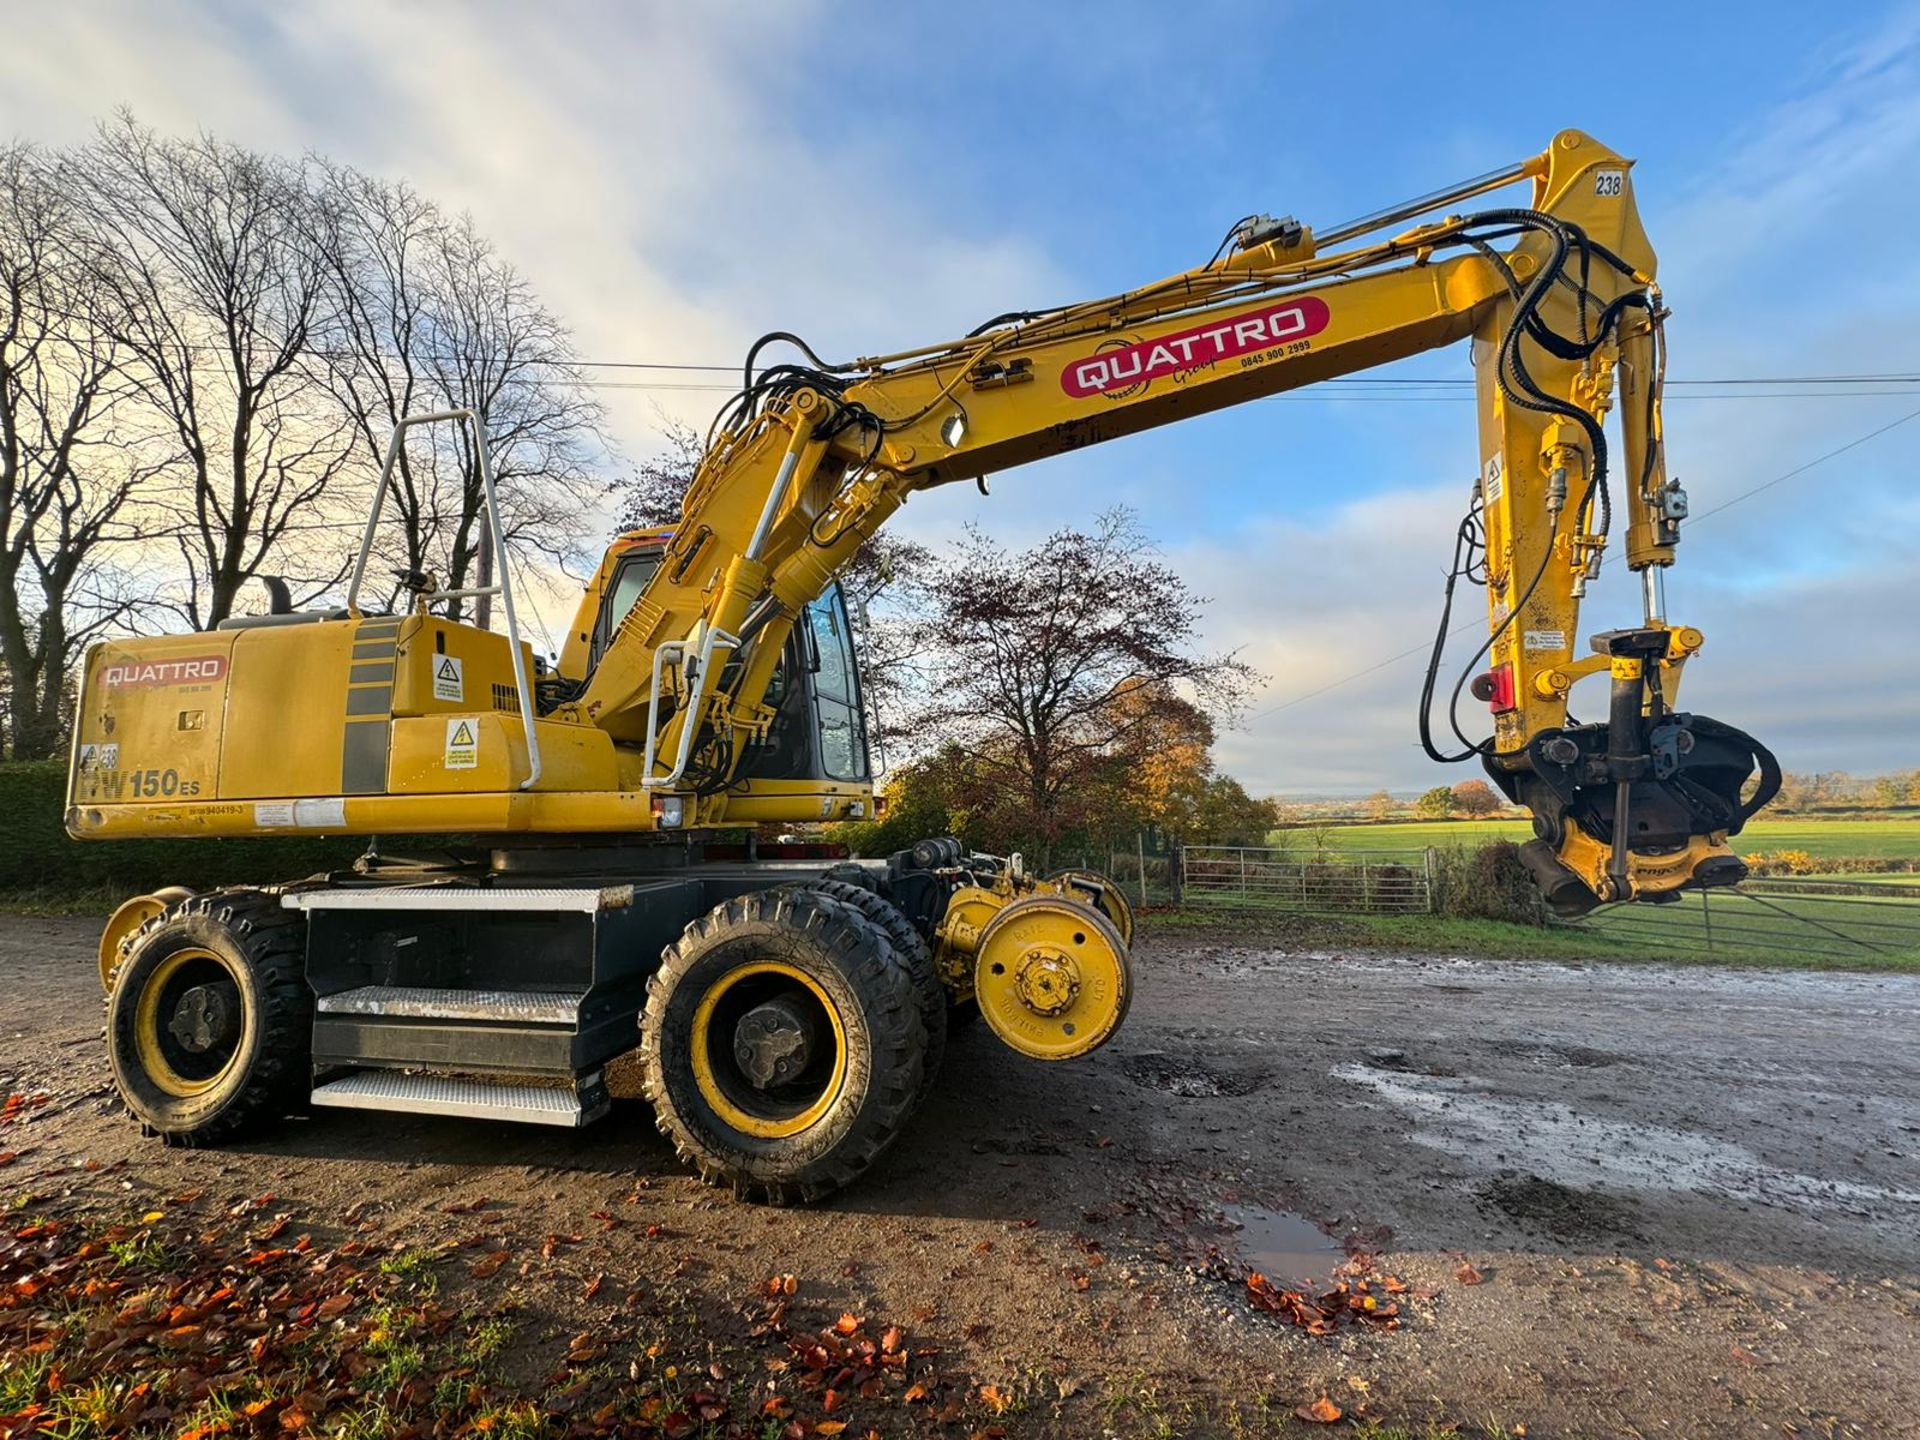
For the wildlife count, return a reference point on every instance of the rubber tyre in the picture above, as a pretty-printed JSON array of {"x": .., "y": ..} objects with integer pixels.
[
  {"x": 261, "y": 947},
  {"x": 911, "y": 948},
  {"x": 843, "y": 953}
]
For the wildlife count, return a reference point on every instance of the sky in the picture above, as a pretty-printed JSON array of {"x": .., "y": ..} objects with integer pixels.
[{"x": 678, "y": 179}]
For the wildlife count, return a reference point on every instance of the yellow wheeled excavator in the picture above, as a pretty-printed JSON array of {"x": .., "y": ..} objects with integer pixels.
[{"x": 790, "y": 1013}]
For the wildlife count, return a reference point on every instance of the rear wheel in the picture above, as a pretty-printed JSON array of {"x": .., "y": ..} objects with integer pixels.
[
  {"x": 912, "y": 950},
  {"x": 782, "y": 1045},
  {"x": 209, "y": 1018}
]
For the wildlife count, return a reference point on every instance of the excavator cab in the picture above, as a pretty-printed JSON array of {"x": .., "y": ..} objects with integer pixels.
[{"x": 819, "y": 731}]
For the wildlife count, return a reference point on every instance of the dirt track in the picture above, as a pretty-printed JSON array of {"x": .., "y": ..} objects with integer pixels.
[{"x": 1693, "y": 1196}]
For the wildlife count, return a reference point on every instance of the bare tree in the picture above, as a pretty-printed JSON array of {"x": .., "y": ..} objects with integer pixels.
[
  {"x": 379, "y": 243},
  {"x": 496, "y": 350},
  {"x": 218, "y": 292},
  {"x": 70, "y": 459}
]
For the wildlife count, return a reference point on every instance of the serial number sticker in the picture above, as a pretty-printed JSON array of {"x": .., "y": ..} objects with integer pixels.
[
  {"x": 463, "y": 745},
  {"x": 449, "y": 679},
  {"x": 1608, "y": 184},
  {"x": 273, "y": 814},
  {"x": 1546, "y": 639},
  {"x": 1495, "y": 480}
]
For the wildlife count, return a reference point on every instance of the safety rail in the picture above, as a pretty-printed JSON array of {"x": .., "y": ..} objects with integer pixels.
[
  {"x": 496, "y": 533},
  {"x": 1380, "y": 882}
]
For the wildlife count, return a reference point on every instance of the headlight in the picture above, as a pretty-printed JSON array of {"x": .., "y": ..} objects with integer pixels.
[
  {"x": 954, "y": 429},
  {"x": 669, "y": 811}
]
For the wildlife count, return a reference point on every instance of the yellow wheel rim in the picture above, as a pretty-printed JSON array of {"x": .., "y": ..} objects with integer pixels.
[
  {"x": 716, "y": 1075},
  {"x": 152, "y": 1016}
]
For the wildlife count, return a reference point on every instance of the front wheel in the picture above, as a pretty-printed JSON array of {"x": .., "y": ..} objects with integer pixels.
[
  {"x": 209, "y": 1017},
  {"x": 781, "y": 1045}
]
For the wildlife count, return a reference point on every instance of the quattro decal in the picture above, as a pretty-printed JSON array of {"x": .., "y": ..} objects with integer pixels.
[
  {"x": 1128, "y": 366},
  {"x": 153, "y": 674}
]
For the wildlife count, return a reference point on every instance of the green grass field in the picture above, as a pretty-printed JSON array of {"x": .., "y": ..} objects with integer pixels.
[{"x": 1893, "y": 838}]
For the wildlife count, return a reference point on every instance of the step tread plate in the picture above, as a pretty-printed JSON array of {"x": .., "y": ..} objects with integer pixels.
[
  {"x": 444, "y": 1095},
  {"x": 551, "y": 1007}
]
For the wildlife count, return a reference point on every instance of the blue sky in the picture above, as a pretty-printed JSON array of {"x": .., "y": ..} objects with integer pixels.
[{"x": 679, "y": 179}]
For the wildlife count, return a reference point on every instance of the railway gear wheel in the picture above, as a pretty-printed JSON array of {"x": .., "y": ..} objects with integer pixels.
[
  {"x": 209, "y": 1018},
  {"x": 911, "y": 948},
  {"x": 127, "y": 922},
  {"x": 1051, "y": 977},
  {"x": 781, "y": 1047},
  {"x": 1100, "y": 892}
]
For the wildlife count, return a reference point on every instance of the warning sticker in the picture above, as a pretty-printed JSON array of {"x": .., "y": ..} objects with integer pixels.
[
  {"x": 270, "y": 814},
  {"x": 1494, "y": 481},
  {"x": 1546, "y": 639},
  {"x": 449, "y": 678},
  {"x": 463, "y": 744},
  {"x": 105, "y": 757}
]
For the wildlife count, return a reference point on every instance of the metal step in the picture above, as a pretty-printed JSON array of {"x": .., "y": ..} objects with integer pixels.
[
  {"x": 471, "y": 1099},
  {"x": 520, "y": 1007}
]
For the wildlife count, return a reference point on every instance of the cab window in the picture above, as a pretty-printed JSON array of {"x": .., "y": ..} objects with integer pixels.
[
  {"x": 843, "y": 739},
  {"x": 629, "y": 582}
]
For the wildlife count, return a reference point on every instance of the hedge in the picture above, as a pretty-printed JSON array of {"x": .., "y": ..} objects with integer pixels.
[{"x": 36, "y": 853}]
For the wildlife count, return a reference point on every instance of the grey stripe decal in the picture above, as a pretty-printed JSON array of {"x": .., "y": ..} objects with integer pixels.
[
  {"x": 381, "y": 674},
  {"x": 370, "y": 701},
  {"x": 363, "y": 757},
  {"x": 379, "y": 627},
  {"x": 383, "y": 651}
]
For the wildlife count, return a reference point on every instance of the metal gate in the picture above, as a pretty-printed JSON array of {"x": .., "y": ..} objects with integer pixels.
[{"x": 1374, "y": 882}]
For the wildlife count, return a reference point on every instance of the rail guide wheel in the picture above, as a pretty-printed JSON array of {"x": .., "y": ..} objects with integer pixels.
[{"x": 1051, "y": 977}]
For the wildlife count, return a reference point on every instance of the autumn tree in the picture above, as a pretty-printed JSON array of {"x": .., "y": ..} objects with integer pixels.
[
  {"x": 1435, "y": 804},
  {"x": 1476, "y": 799},
  {"x": 1380, "y": 805},
  {"x": 1030, "y": 661}
]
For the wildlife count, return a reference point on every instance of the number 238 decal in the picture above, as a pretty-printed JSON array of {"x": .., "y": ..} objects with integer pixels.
[{"x": 1608, "y": 184}]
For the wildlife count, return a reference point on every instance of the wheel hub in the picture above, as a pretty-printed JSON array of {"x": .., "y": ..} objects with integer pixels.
[
  {"x": 1047, "y": 982},
  {"x": 206, "y": 1019},
  {"x": 774, "y": 1042}
]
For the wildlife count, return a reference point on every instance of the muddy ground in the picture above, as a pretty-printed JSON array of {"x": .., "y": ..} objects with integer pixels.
[{"x": 1691, "y": 1199}]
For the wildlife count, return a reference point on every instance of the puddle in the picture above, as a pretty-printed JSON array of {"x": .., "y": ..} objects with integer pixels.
[
  {"x": 1579, "y": 1151},
  {"x": 1290, "y": 1250}
]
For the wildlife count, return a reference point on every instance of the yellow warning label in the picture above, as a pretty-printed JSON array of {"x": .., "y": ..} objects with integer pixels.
[
  {"x": 449, "y": 679},
  {"x": 463, "y": 744}
]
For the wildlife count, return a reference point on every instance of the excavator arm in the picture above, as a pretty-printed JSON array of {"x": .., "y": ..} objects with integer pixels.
[{"x": 1559, "y": 301}]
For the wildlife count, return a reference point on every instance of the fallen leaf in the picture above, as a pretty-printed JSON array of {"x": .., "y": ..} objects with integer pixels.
[
  {"x": 1321, "y": 1412},
  {"x": 829, "y": 1427},
  {"x": 487, "y": 1265},
  {"x": 847, "y": 1323},
  {"x": 1467, "y": 1275},
  {"x": 994, "y": 1399},
  {"x": 1746, "y": 1356},
  {"x": 592, "y": 1287}
]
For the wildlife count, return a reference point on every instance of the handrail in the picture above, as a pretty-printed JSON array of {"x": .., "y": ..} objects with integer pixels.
[{"x": 496, "y": 533}]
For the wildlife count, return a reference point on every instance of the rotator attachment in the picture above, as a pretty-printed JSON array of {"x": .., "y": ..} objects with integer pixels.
[
  {"x": 1046, "y": 960},
  {"x": 1638, "y": 808}
]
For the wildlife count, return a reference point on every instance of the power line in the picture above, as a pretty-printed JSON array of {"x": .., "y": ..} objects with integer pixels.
[{"x": 1728, "y": 504}]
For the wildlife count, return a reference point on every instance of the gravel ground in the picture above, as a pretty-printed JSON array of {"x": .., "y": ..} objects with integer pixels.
[{"x": 1626, "y": 1200}]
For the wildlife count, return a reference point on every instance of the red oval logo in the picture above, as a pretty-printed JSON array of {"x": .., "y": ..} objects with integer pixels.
[{"x": 1278, "y": 324}]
